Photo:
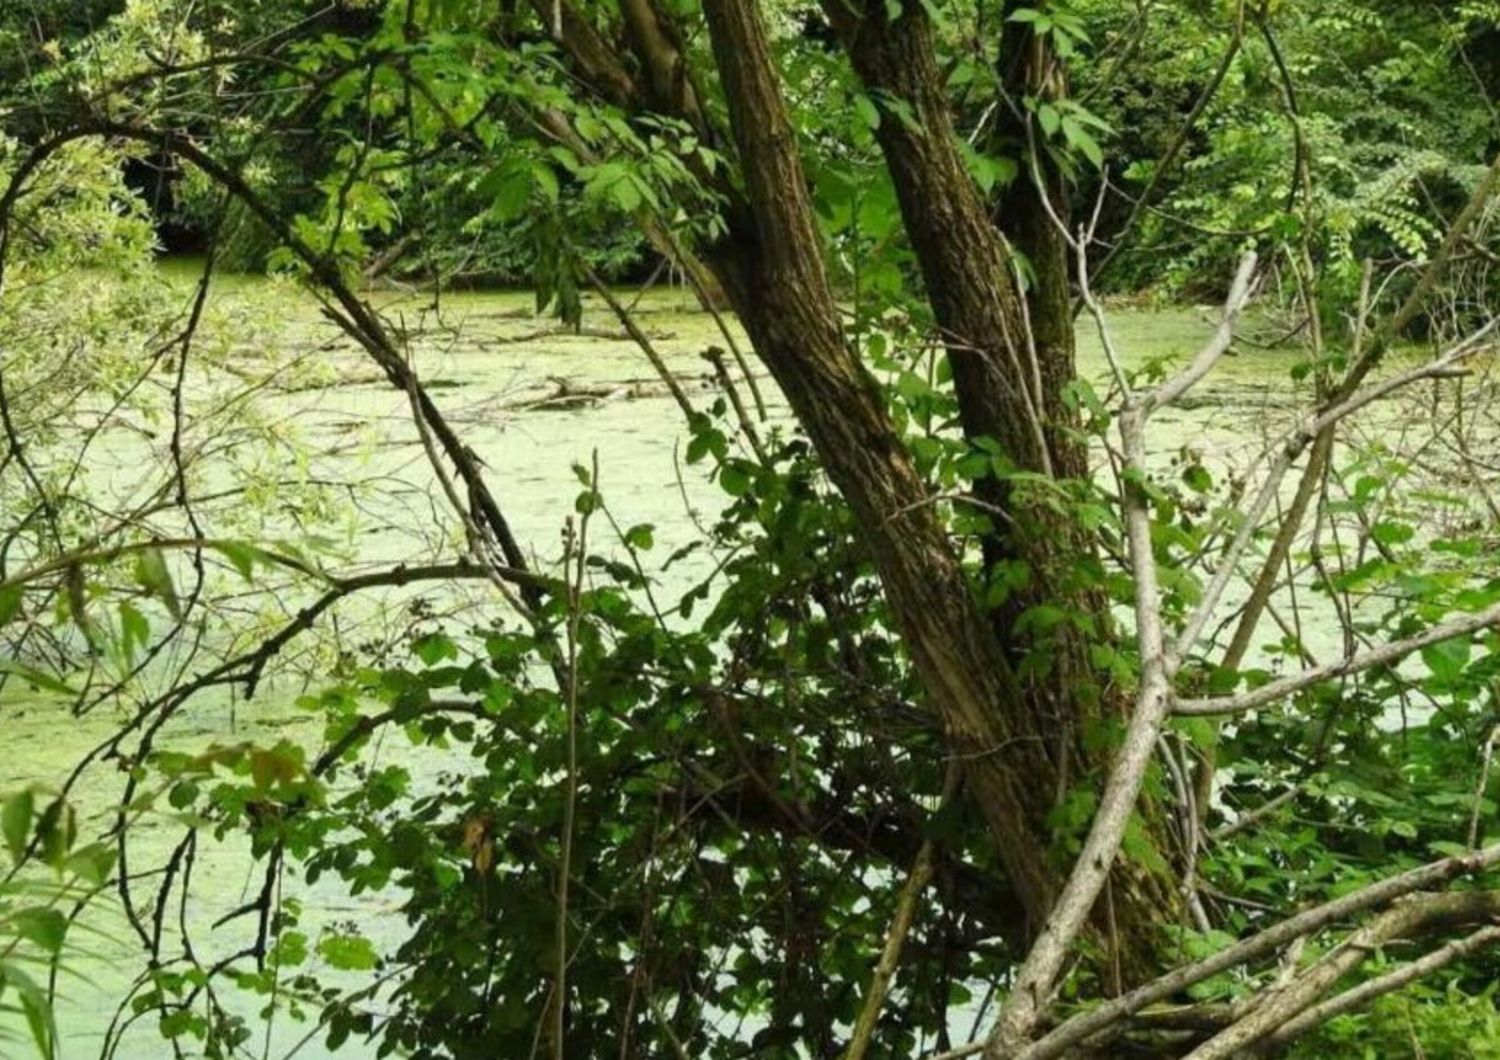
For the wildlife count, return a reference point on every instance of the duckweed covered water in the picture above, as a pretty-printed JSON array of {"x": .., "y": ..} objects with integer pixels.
[{"x": 487, "y": 359}]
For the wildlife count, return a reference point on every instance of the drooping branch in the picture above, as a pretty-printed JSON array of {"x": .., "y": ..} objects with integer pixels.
[
  {"x": 103, "y": 554},
  {"x": 353, "y": 314}
]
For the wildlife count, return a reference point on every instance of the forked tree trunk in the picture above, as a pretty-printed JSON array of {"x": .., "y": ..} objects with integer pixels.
[
  {"x": 1016, "y": 739},
  {"x": 1011, "y": 362},
  {"x": 600, "y": 67},
  {"x": 774, "y": 273}
]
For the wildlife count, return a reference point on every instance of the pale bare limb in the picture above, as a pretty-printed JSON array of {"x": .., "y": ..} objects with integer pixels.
[
  {"x": 1361, "y": 995},
  {"x": 1484, "y": 780},
  {"x": 1377, "y": 895},
  {"x": 1285, "y": 1001},
  {"x": 1086, "y": 293},
  {"x": 1031, "y": 994},
  {"x": 1384, "y": 655},
  {"x": 1240, "y": 292}
]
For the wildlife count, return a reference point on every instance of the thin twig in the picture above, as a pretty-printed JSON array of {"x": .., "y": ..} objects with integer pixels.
[{"x": 890, "y": 955}]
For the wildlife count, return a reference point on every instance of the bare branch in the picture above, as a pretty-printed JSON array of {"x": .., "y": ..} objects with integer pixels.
[
  {"x": 890, "y": 955},
  {"x": 1364, "y": 993},
  {"x": 1030, "y": 996},
  {"x": 1384, "y": 655},
  {"x": 1286, "y": 451},
  {"x": 1281, "y": 1002},
  {"x": 1239, "y": 294},
  {"x": 1374, "y": 896}
]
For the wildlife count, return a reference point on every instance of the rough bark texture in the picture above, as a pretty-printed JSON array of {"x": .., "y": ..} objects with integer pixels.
[
  {"x": 968, "y": 282},
  {"x": 1010, "y": 387},
  {"x": 1010, "y": 362},
  {"x": 774, "y": 273},
  {"x": 1019, "y": 741}
]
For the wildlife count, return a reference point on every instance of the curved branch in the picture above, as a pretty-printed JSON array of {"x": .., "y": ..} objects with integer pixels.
[
  {"x": 1377, "y": 895},
  {"x": 1384, "y": 655}
]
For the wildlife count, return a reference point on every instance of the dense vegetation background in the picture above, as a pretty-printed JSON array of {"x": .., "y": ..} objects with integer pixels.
[{"x": 988, "y": 718}]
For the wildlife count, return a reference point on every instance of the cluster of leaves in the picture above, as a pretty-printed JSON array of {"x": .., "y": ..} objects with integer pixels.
[
  {"x": 37, "y": 908},
  {"x": 1385, "y": 103}
]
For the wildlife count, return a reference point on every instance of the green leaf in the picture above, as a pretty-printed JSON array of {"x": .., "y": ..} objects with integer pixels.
[
  {"x": 91, "y": 863},
  {"x": 241, "y": 556},
  {"x": 15, "y": 822},
  {"x": 151, "y": 574},
  {"x": 867, "y": 111},
  {"x": 182, "y": 794},
  {"x": 280, "y": 764},
  {"x": 641, "y": 537},
  {"x": 1391, "y": 533},
  {"x": 1082, "y": 140},
  {"x": 57, "y": 828},
  {"x": 351, "y": 953},
  {"x": 1202, "y": 732},
  {"x": 36, "y": 678},
  {"x": 1138, "y": 847},
  {"x": 41, "y": 926},
  {"x": 734, "y": 479},
  {"x": 988, "y": 170},
  {"x": 10, "y": 602},
  {"x": 290, "y": 950},
  {"x": 1447, "y": 659},
  {"x": 1050, "y": 120},
  {"x": 34, "y": 1005},
  {"x": 508, "y": 187},
  {"x": 135, "y": 631},
  {"x": 1197, "y": 478},
  {"x": 626, "y": 193},
  {"x": 546, "y": 181},
  {"x": 433, "y": 648}
]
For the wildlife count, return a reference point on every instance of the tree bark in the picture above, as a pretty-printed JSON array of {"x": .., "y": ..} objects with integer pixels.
[
  {"x": 1016, "y": 739},
  {"x": 1012, "y": 360},
  {"x": 772, "y": 265}
]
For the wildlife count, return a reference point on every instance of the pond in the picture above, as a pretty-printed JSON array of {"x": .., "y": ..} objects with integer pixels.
[{"x": 494, "y": 368}]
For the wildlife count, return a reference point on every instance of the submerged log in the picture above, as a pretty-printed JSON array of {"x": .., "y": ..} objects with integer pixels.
[
  {"x": 564, "y": 332},
  {"x": 567, "y": 394}
]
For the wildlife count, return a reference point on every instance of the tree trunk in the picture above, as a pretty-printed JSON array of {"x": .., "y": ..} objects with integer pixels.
[
  {"x": 772, "y": 265},
  {"x": 1016, "y": 739},
  {"x": 1011, "y": 362}
]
